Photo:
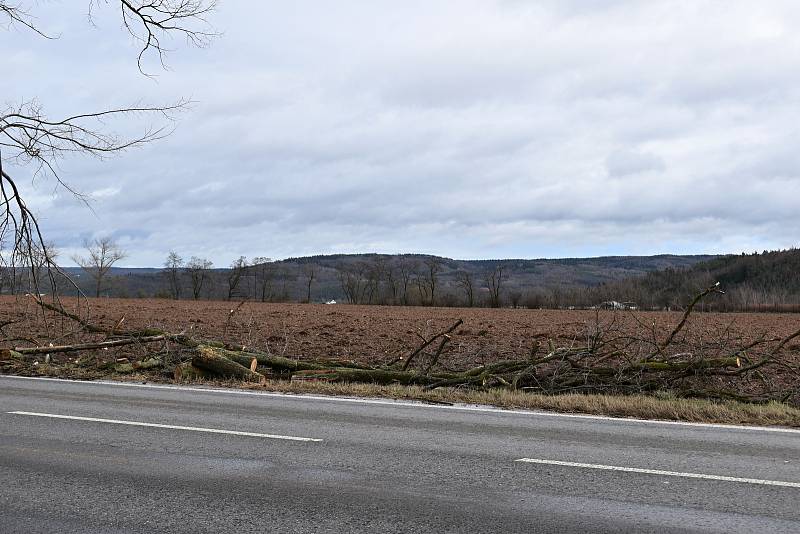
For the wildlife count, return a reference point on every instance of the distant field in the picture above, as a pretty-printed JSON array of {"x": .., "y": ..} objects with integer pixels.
[{"x": 375, "y": 334}]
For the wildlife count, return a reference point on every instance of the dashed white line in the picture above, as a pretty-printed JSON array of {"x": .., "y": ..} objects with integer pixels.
[
  {"x": 172, "y": 427},
  {"x": 662, "y": 473}
]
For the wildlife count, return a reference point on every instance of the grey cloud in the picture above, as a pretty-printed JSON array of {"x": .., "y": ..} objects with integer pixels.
[
  {"x": 626, "y": 162},
  {"x": 468, "y": 128}
]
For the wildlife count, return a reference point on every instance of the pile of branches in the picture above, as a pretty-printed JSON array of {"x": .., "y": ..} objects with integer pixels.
[{"x": 609, "y": 359}]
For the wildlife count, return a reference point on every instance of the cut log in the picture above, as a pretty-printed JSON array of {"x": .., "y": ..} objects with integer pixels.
[
  {"x": 208, "y": 359},
  {"x": 276, "y": 363},
  {"x": 8, "y": 354},
  {"x": 149, "y": 363},
  {"x": 187, "y": 371}
]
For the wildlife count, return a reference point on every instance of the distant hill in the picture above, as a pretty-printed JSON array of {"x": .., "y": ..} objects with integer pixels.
[
  {"x": 767, "y": 281},
  {"x": 520, "y": 275}
]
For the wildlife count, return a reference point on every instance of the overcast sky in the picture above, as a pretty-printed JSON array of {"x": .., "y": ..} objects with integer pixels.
[{"x": 469, "y": 129}]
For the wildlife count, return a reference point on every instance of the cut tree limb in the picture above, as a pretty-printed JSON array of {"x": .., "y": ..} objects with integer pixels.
[
  {"x": 187, "y": 371},
  {"x": 90, "y": 346},
  {"x": 206, "y": 358},
  {"x": 428, "y": 342}
]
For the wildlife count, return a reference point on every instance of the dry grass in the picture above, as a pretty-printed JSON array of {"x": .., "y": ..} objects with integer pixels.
[{"x": 664, "y": 407}]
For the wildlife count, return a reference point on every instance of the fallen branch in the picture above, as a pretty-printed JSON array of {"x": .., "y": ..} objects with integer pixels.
[
  {"x": 428, "y": 342},
  {"x": 689, "y": 309},
  {"x": 89, "y": 346}
]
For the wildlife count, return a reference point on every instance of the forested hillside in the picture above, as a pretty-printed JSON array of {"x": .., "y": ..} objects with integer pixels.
[
  {"x": 409, "y": 279},
  {"x": 769, "y": 281}
]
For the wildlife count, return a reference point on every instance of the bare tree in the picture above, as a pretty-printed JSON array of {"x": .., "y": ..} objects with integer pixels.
[
  {"x": 31, "y": 138},
  {"x": 433, "y": 267},
  {"x": 284, "y": 277},
  {"x": 465, "y": 282},
  {"x": 422, "y": 287},
  {"x": 103, "y": 253},
  {"x": 406, "y": 268},
  {"x": 40, "y": 260},
  {"x": 393, "y": 282},
  {"x": 198, "y": 274},
  {"x": 515, "y": 297},
  {"x": 352, "y": 280},
  {"x": 494, "y": 282},
  {"x": 309, "y": 271},
  {"x": 173, "y": 268},
  {"x": 264, "y": 273},
  {"x": 235, "y": 274}
]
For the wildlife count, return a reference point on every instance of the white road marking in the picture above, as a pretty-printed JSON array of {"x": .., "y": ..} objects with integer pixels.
[
  {"x": 663, "y": 473},
  {"x": 457, "y": 407},
  {"x": 173, "y": 427}
]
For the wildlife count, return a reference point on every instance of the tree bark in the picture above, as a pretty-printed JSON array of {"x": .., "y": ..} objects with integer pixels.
[{"x": 207, "y": 358}]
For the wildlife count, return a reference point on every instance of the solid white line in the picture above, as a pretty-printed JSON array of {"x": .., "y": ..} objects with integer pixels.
[
  {"x": 173, "y": 427},
  {"x": 457, "y": 407},
  {"x": 664, "y": 473}
]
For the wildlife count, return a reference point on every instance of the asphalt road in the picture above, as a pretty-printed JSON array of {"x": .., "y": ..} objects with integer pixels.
[{"x": 218, "y": 461}]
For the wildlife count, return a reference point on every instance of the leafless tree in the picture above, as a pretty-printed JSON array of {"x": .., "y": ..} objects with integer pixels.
[
  {"x": 515, "y": 297},
  {"x": 31, "y": 138},
  {"x": 352, "y": 280},
  {"x": 264, "y": 273},
  {"x": 465, "y": 282},
  {"x": 39, "y": 261},
  {"x": 235, "y": 274},
  {"x": 377, "y": 273},
  {"x": 284, "y": 277},
  {"x": 494, "y": 282},
  {"x": 423, "y": 291},
  {"x": 198, "y": 274},
  {"x": 103, "y": 253},
  {"x": 173, "y": 268},
  {"x": 309, "y": 271},
  {"x": 433, "y": 267},
  {"x": 393, "y": 282},
  {"x": 406, "y": 268}
]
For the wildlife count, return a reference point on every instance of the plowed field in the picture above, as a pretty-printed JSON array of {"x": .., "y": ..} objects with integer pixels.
[{"x": 374, "y": 334}]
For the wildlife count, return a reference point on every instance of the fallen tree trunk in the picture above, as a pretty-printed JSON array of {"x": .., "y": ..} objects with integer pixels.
[
  {"x": 10, "y": 354},
  {"x": 128, "y": 367},
  {"x": 187, "y": 371},
  {"x": 206, "y": 358},
  {"x": 365, "y": 376},
  {"x": 278, "y": 363}
]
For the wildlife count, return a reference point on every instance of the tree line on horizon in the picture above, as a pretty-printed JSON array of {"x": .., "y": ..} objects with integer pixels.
[{"x": 753, "y": 282}]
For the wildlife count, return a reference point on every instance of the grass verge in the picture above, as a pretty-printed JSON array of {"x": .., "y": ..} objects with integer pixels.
[{"x": 665, "y": 406}]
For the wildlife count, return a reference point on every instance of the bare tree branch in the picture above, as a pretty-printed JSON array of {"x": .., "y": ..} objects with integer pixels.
[
  {"x": 30, "y": 137},
  {"x": 150, "y": 21},
  {"x": 17, "y": 15}
]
